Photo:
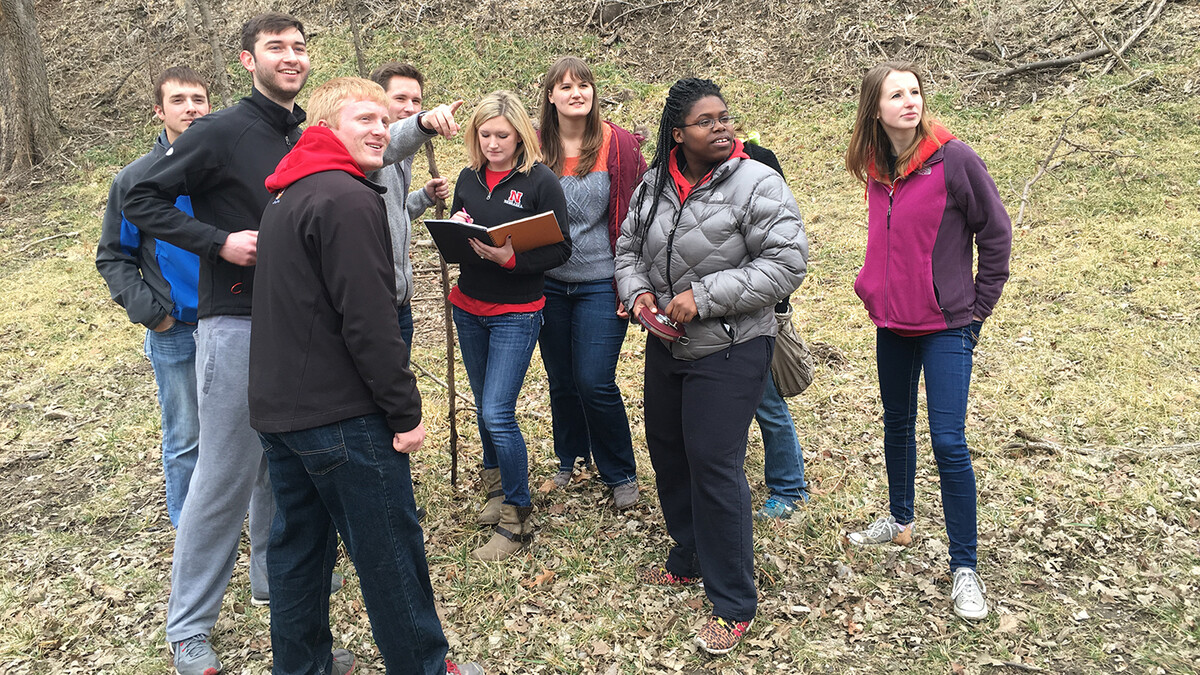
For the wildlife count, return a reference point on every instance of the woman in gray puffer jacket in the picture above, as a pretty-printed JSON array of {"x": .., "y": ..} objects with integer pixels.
[{"x": 712, "y": 240}]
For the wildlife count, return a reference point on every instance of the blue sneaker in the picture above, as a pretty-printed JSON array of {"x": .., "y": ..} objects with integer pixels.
[{"x": 776, "y": 508}]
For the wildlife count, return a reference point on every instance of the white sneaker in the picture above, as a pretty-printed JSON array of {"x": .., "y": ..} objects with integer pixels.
[
  {"x": 883, "y": 530},
  {"x": 967, "y": 594}
]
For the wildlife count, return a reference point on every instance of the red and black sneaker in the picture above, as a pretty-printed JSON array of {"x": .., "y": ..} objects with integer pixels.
[
  {"x": 720, "y": 636},
  {"x": 660, "y": 576}
]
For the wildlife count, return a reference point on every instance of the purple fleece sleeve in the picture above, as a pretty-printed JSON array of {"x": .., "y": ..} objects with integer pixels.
[{"x": 972, "y": 188}]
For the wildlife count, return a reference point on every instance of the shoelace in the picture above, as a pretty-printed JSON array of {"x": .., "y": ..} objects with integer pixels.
[
  {"x": 879, "y": 527},
  {"x": 187, "y": 645},
  {"x": 967, "y": 582}
]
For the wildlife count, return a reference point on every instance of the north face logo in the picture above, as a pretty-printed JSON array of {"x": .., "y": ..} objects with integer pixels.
[
  {"x": 923, "y": 171},
  {"x": 514, "y": 198}
]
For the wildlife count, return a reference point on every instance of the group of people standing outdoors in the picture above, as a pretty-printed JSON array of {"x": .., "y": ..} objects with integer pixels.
[{"x": 271, "y": 269}]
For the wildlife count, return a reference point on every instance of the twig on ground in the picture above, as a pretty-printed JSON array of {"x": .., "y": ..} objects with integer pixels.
[
  {"x": 442, "y": 384},
  {"x": 1151, "y": 17},
  {"x": 1103, "y": 40},
  {"x": 1054, "y": 63},
  {"x": 1043, "y": 167},
  {"x": 1015, "y": 664},
  {"x": 1088, "y": 55},
  {"x": 653, "y": 5},
  {"x": 31, "y": 244},
  {"x": 1129, "y": 84}
]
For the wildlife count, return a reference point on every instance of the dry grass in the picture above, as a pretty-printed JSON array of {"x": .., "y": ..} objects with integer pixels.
[{"x": 1085, "y": 419}]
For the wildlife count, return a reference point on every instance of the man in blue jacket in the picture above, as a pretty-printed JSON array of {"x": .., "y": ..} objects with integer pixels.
[{"x": 156, "y": 284}]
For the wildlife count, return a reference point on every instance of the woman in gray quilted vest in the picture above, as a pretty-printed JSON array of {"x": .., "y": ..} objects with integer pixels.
[{"x": 711, "y": 242}]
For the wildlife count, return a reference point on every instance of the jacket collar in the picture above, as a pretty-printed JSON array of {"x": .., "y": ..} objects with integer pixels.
[
  {"x": 928, "y": 152},
  {"x": 318, "y": 150},
  {"x": 161, "y": 144},
  {"x": 717, "y": 173},
  {"x": 276, "y": 115}
]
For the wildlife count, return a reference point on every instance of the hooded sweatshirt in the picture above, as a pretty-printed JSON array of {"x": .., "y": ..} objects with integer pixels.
[
  {"x": 324, "y": 342},
  {"x": 917, "y": 276}
]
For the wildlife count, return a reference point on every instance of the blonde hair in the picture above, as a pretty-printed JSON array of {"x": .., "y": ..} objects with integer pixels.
[
  {"x": 869, "y": 144},
  {"x": 503, "y": 104},
  {"x": 326, "y": 103}
]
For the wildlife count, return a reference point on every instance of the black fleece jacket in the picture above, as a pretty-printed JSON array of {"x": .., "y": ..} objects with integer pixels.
[
  {"x": 324, "y": 342},
  {"x": 518, "y": 195},
  {"x": 221, "y": 162}
]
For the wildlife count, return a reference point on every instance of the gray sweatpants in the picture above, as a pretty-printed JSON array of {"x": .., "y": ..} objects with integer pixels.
[{"x": 230, "y": 476}]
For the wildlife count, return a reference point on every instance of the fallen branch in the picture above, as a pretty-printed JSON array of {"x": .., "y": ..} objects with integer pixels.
[
  {"x": 1054, "y": 63},
  {"x": 653, "y": 5},
  {"x": 1155, "y": 11},
  {"x": 1043, "y": 167},
  {"x": 31, "y": 244},
  {"x": 1088, "y": 55},
  {"x": 1014, "y": 664},
  {"x": 1103, "y": 40},
  {"x": 442, "y": 384}
]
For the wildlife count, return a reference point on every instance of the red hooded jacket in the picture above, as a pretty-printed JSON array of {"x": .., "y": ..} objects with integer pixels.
[{"x": 325, "y": 345}]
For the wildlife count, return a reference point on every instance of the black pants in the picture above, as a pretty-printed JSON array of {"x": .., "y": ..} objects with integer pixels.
[{"x": 698, "y": 415}]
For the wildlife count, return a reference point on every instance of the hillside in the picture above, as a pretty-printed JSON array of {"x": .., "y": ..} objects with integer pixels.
[{"x": 1084, "y": 416}]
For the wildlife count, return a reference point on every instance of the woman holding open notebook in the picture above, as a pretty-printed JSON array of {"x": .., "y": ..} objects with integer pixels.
[
  {"x": 598, "y": 165},
  {"x": 498, "y": 302}
]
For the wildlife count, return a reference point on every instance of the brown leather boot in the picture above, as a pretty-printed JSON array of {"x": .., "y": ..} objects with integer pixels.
[
  {"x": 490, "y": 515},
  {"x": 514, "y": 530}
]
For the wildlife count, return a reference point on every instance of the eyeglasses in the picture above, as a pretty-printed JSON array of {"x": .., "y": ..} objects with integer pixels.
[{"x": 708, "y": 122}]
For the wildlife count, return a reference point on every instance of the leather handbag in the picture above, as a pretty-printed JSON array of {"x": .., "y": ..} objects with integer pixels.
[{"x": 792, "y": 364}]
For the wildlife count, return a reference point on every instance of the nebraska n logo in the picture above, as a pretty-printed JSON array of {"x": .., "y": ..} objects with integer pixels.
[{"x": 514, "y": 198}]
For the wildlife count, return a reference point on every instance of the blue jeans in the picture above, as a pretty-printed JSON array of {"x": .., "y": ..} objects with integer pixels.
[
  {"x": 345, "y": 478},
  {"x": 580, "y": 342},
  {"x": 946, "y": 357},
  {"x": 172, "y": 353},
  {"x": 496, "y": 352},
  {"x": 783, "y": 458},
  {"x": 404, "y": 314}
]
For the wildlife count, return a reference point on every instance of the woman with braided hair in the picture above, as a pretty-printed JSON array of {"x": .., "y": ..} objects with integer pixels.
[{"x": 711, "y": 242}]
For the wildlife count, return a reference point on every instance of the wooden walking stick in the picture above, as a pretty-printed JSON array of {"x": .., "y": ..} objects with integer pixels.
[{"x": 447, "y": 314}]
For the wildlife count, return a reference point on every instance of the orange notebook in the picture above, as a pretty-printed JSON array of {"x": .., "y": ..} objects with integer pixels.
[{"x": 527, "y": 234}]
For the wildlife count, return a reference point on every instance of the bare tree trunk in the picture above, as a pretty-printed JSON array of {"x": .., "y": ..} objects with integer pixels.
[
  {"x": 221, "y": 74},
  {"x": 28, "y": 130},
  {"x": 352, "y": 10}
]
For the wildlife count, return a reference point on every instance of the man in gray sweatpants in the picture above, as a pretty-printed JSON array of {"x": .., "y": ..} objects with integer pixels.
[{"x": 222, "y": 164}]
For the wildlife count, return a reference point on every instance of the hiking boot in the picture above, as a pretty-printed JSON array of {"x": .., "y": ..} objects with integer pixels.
[
  {"x": 343, "y": 662},
  {"x": 194, "y": 656},
  {"x": 562, "y": 479},
  {"x": 489, "y": 480},
  {"x": 776, "y": 508},
  {"x": 626, "y": 495},
  {"x": 720, "y": 636},
  {"x": 883, "y": 530},
  {"x": 514, "y": 531},
  {"x": 660, "y": 576},
  {"x": 336, "y": 581},
  {"x": 967, "y": 594},
  {"x": 463, "y": 668}
]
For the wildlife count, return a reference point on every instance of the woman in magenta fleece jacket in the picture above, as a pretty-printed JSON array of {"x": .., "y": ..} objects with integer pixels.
[{"x": 930, "y": 203}]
